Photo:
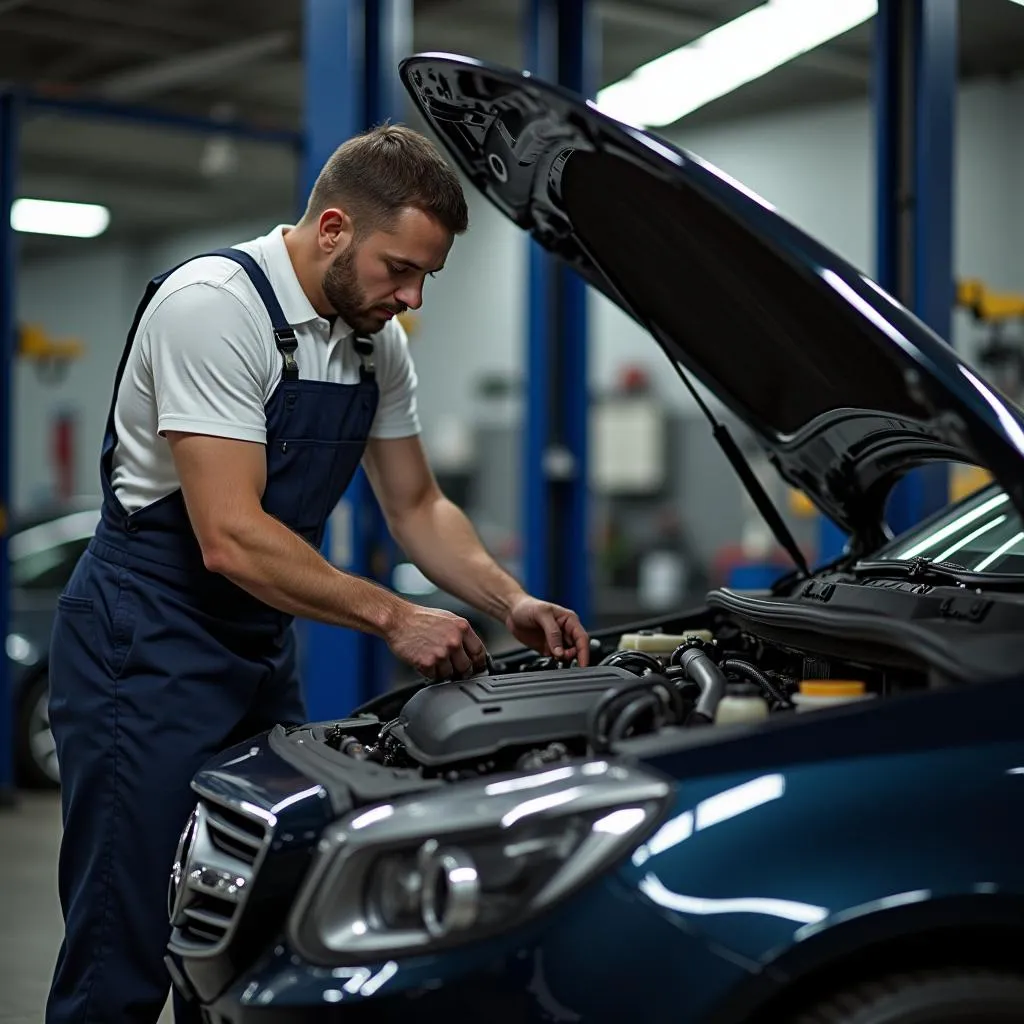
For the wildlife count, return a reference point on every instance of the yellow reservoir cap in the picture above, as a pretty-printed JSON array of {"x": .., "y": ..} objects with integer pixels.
[{"x": 832, "y": 688}]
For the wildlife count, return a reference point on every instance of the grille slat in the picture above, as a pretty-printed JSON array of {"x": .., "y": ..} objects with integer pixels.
[
  {"x": 220, "y": 864},
  {"x": 252, "y": 835},
  {"x": 207, "y": 917}
]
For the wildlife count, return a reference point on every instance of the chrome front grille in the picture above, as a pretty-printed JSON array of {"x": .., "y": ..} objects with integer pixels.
[{"x": 217, "y": 859}]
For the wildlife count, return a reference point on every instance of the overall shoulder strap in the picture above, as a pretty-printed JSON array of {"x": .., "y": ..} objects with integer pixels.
[{"x": 284, "y": 333}]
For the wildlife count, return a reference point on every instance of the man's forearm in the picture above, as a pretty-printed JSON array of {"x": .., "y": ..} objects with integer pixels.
[
  {"x": 262, "y": 556},
  {"x": 439, "y": 538}
]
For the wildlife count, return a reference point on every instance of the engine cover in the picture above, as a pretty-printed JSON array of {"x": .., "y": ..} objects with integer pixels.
[{"x": 450, "y": 722}]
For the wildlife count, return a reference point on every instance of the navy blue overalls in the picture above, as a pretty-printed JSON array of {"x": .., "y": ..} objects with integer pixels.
[{"x": 156, "y": 665}]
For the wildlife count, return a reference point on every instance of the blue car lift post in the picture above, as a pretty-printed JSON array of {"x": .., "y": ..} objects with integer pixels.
[
  {"x": 562, "y": 45},
  {"x": 8, "y": 172},
  {"x": 915, "y": 80},
  {"x": 352, "y": 50}
]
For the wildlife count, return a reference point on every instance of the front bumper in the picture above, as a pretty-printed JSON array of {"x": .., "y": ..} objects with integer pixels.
[{"x": 606, "y": 956}]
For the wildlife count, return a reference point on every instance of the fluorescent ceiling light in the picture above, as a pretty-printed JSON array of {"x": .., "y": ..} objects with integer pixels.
[
  {"x": 727, "y": 57},
  {"x": 48, "y": 217}
]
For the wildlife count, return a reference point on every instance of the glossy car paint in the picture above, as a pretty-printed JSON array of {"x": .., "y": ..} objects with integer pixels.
[
  {"x": 254, "y": 780},
  {"x": 758, "y": 876}
]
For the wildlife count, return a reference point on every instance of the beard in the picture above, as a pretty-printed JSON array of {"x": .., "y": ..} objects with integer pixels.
[{"x": 342, "y": 290}]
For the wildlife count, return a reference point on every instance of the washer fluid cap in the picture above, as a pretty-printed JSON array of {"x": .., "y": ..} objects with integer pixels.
[
  {"x": 832, "y": 688},
  {"x": 660, "y": 643}
]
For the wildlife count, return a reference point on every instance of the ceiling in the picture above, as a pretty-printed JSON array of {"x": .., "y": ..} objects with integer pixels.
[{"x": 242, "y": 59}]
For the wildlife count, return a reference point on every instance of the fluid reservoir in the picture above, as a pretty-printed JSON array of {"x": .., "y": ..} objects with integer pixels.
[
  {"x": 742, "y": 703},
  {"x": 827, "y": 693},
  {"x": 659, "y": 643}
]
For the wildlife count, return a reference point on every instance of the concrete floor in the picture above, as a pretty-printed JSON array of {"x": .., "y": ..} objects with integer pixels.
[{"x": 30, "y": 921}]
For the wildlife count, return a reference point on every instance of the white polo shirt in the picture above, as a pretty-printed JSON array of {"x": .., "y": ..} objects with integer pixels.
[{"x": 204, "y": 361}]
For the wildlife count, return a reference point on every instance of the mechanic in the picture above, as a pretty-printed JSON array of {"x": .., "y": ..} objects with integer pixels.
[{"x": 253, "y": 383}]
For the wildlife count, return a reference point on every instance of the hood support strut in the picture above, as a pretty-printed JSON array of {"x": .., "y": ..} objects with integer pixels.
[
  {"x": 748, "y": 478},
  {"x": 720, "y": 432}
]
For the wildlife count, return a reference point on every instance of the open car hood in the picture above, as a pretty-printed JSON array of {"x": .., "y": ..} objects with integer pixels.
[{"x": 844, "y": 387}]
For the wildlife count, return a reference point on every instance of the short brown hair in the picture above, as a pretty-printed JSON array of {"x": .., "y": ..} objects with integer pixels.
[{"x": 382, "y": 171}]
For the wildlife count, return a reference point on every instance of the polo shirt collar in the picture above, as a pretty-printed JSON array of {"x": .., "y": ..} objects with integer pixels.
[{"x": 295, "y": 304}]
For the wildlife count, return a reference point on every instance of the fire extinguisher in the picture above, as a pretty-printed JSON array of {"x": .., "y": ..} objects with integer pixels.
[{"x": 64, "y": 455}]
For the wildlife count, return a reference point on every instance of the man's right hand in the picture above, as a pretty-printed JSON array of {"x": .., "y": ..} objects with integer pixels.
[{"x": 436, "y": 643}]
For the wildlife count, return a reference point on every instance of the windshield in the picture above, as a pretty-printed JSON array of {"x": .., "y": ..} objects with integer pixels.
[{"x": 983, "y": 533}]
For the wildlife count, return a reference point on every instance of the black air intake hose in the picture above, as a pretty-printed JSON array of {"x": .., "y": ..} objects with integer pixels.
[
  {"x": 637, "y": 662},
  {"x": 754, "y": 674},
  {"x": 709, "y": 677}
]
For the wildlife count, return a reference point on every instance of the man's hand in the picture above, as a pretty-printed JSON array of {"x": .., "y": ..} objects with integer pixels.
[
  {"x": 549, "y": 629},
  {"x": 438, "y": 644}
]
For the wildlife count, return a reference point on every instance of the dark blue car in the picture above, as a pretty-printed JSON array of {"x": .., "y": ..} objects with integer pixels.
[{"x": 796, "y": 804}]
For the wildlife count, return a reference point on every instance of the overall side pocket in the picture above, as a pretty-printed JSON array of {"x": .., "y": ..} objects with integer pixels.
[{"x": 122, "y": 622}]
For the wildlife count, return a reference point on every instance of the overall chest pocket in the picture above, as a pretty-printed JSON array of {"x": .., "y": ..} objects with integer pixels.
[{"x": 306, "y": 479}]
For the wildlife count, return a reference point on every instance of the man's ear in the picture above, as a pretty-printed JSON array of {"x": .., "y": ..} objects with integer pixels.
[{"x": 335, "y": 230}]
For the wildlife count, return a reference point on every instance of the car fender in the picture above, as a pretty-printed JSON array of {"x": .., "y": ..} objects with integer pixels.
[{"x": 768, "y": 862}]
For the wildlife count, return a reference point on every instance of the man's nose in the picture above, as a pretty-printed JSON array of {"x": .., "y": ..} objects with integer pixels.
[{"x": 411, "y": 297}]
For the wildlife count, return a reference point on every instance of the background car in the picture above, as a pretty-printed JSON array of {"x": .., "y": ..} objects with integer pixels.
[{"x": 44, "y": 549}]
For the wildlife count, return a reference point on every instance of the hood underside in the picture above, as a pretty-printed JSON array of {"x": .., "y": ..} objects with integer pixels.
[{"x": 844, "y": 387}]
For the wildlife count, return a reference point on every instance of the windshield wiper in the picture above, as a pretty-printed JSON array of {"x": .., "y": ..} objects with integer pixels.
[{"x": 918, "y": 569}]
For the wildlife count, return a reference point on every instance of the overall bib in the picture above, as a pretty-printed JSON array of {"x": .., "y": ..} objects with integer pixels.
[{"x": 156, "y": 665}]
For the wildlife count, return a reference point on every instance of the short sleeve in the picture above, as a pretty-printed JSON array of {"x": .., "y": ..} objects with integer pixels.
[
  {"x": 208, "y": 360},
  {"x": 397, "y": 415}
]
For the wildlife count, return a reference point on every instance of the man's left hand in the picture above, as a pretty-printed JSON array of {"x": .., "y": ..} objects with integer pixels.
[{"x": 549, "y": 629}]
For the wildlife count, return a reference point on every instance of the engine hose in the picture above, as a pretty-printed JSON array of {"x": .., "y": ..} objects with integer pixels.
[
  {"x": 754, "y": 674},
  {"x": 625, "y": 718},
  {"x": 613, "y": 706},
  {"x": 708, "y": 676},
  {"x": 633, "y": 661}
]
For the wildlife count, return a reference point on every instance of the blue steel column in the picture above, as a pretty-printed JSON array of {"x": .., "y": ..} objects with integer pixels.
[
  {"x": 388, "y": 39},
  {"x": 352, "y": 51},
  {"x": 916, "y": 78},
  {"x": 8, "y": 173},
  {"x": 561, "y": 45},
  {"x": 915, "y": 82}
]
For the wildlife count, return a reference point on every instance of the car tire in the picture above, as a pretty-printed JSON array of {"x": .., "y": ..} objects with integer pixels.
[
  {"x": 35, "y": 760},
  {"x": 959, "y": 996}
]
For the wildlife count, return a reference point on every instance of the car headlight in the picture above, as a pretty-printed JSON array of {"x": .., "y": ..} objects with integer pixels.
[{"x": 458, "y": 862}]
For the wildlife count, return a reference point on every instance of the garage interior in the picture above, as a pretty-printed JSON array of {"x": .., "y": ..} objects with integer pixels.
[{"x": 588, "y": 471}]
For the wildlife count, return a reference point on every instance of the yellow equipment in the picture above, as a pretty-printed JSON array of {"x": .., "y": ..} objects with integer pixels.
[
  {"x": 51, "y": 356},
  {"x": 987, "y": 305}
]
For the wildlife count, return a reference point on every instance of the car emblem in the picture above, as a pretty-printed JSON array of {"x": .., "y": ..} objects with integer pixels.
[{"x": 182, "y": 856}]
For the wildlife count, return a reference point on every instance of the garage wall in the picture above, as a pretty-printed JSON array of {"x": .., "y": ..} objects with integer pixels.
[
  {"x": 89, "y": 294},
  {"x": 816, "y": 166},
  {"x": 84, "y": 295}
]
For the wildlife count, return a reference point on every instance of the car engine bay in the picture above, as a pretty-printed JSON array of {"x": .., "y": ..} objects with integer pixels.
[{"x": 529, "y": 712}]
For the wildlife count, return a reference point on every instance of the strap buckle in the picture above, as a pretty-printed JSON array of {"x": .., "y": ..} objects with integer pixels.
[
  {"x": 364, "y": 347},
  {"x": 287, "y": 343}
]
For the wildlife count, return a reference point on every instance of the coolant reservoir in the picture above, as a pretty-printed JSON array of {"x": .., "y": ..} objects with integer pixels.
[
  {"x": 827, "y": 693},
  {"x": 742, "y": 704},
  {"x": 660, "y": 643}
]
